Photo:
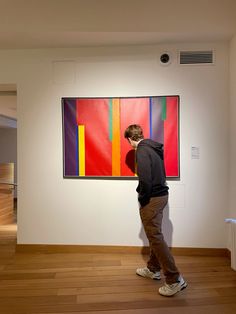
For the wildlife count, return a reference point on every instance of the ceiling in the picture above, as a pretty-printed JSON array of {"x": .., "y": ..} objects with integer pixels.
[
  {"x": 35, "y": 24},
  {"x": 28, "y": 24}
]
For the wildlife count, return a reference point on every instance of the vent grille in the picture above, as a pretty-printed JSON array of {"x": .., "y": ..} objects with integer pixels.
[{"x": 196, "y": 57}]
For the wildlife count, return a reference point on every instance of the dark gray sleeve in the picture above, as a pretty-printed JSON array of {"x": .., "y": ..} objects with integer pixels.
[{"x": 145, "y": 176}]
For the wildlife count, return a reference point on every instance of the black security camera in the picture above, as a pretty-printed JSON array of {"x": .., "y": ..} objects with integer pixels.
[{"x": 165, "y": 58}]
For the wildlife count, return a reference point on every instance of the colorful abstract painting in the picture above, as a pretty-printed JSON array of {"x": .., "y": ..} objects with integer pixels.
[{"x": 93, "y": 134}]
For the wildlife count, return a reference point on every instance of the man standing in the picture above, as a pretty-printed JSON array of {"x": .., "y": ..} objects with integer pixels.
[{"x": 153, "y": 197}]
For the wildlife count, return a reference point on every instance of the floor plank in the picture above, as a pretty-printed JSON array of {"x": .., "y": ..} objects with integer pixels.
[{"x": 69, "y": 283}]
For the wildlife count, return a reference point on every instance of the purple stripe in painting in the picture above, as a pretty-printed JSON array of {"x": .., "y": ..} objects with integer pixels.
[
  {"x": 157, "y": 122},
  {"x": 70, "y": 139}
]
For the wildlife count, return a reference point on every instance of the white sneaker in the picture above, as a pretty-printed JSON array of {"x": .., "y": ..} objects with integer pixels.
[
  {"x": 145, "y": 272},
  {"x": 169, "y": 290}
]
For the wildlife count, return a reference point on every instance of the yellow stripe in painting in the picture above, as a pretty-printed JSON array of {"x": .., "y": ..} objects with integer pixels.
[
  {"x": 115, "y": 137},
  {"x": 81, "y": 150}
]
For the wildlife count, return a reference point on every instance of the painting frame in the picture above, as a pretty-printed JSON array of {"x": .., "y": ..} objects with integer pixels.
[{"x": 86, "y": 107}]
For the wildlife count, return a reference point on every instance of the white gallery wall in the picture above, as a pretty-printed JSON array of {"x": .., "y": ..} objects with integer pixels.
[
  {"x": 232, "y": 165},
  {"x": 53, "y": 210}
]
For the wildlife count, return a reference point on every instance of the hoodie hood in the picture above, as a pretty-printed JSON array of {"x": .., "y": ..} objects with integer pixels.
[{"x": 158, "y": 147}]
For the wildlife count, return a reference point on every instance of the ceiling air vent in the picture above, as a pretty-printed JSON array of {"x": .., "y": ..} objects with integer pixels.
[{"x": 196, "y": 57}]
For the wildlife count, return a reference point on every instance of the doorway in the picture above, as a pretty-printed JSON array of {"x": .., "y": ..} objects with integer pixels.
[{"x": 8, "y": 157}]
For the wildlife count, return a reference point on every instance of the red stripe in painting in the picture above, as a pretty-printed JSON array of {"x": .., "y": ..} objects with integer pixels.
[
  {"x": 94, "y": 115},
  {"x": 171, "y": 137},
  {"x": 132, "y": 111}
]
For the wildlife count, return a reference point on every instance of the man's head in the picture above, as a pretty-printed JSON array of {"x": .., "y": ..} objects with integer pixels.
[{"x": 134, "y": 134}]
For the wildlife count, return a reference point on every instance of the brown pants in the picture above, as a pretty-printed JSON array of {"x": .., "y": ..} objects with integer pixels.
[{"x": 160, "y": 255}]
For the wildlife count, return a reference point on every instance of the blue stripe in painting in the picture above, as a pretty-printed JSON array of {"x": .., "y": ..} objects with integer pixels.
[
  {"x": 110, "y": 119},
  {"x": 150, "y": 115}
]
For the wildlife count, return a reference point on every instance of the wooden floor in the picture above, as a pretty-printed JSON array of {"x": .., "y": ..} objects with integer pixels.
[{"x": 69, "y": 283}]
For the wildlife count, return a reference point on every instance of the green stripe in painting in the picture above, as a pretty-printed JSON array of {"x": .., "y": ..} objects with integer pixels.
[
  {"x": 163, "y": 108},
  {"x": 110, "y": 119}
]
